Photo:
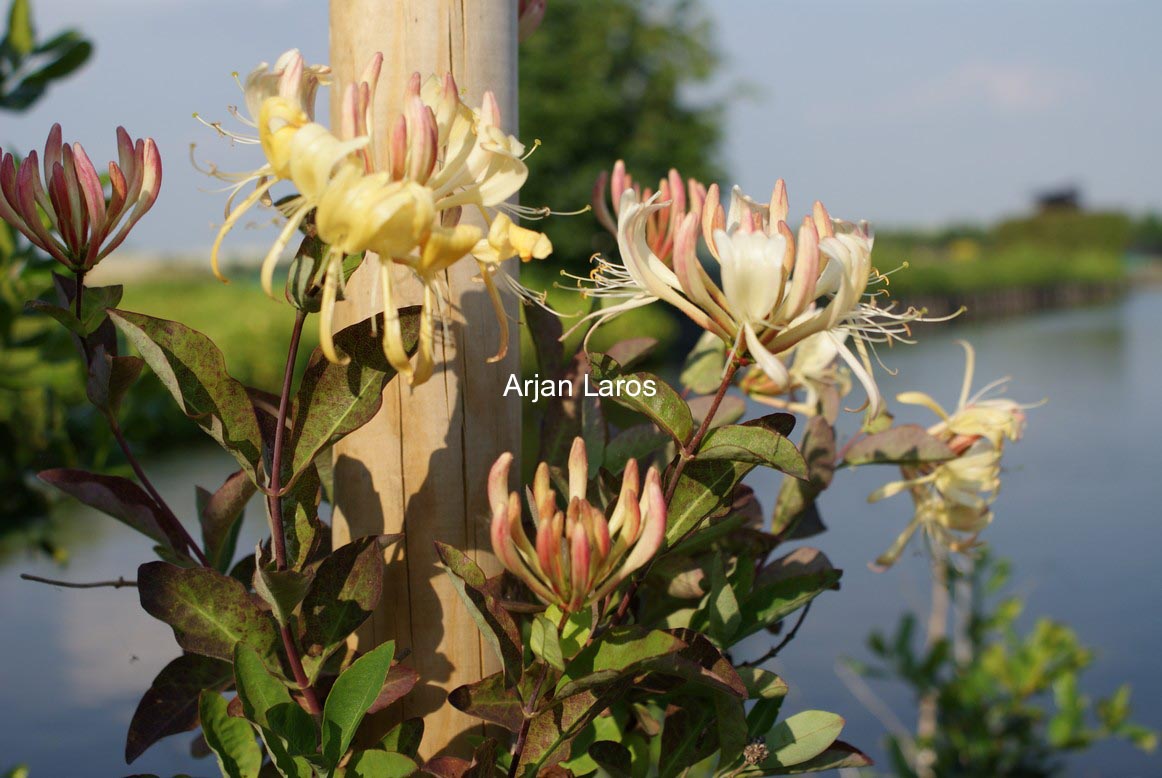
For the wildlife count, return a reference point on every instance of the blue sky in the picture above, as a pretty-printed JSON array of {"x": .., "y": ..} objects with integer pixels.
[{"x": 915, "y": 113}]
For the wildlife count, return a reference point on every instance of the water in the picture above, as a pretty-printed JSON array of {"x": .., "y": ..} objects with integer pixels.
[{"x": 1076, "y": 515}]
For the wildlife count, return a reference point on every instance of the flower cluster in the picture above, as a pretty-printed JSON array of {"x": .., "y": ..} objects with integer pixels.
[
  {"x": 577, "y": 555},
  {"x": 83, "y": 225},
  {"x": 812, "y": 368},
  {"x": 402, "y": 202},
  {"x": 953, "y": 499},
  {"x": 778, "y": 287}
]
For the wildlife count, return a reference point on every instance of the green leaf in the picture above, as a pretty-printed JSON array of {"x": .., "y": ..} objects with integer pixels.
[
  {"x": 114, "y": 496},
  {"x": 171, "y": 704},
  {"x": 786, "y": 585},
  {"x": 724, "y": 616},
  {"x": 267, "y": 703},
  {"x": 705, "y": 365},
  {"x": 801, "y": 737},
  {"x": 619, "y": 651},
  {"x": 755, "y": 446},
  {"x": 21, "y": 36},
  {"x": 612, "y": 757},
  {"x": 209, "y": 612},
  {"x": 493, "y": 621},
  {"x": 70, "y": 57},
  {"x": 334, "y": 400},
  {"x": 552, "y": 730},
  {"x": 905, "y": 444},
  {"x": 192, "y": 368},
  {"x": 353, "y": 693},
  {"x": 638, "y": 442},
  {"x": 796, "y": 499},
  {"x": 546, "y": 643},
  {"x": 837, "y": 756},
  {"x": 380, "y": 764},
  {"x": 404, "y": 738},
  {"x": 688, "y": 737},
  {"x": 110, "y": 378},
  {"x": 490, "y": 699},
  {"x": 283, "y": 590},
  {"x": 665, "y": 407},
  {"x": 346, "y": 589},
  {"x": 220, "y": 515},
  {"x": 231, "y": 740},
  {"x": 730, "y": 720},
  {"x": 762, "y": 684},
  {"x": 703, "y": 489}
]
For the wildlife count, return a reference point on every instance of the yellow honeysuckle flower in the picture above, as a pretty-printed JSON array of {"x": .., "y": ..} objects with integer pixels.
[{"x": 953, "y": 499}]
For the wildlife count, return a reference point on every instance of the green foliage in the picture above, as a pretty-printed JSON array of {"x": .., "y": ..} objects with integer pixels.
[
  {"x": 606, "y": 79},
  {"x": 353, "y": 693},
  {"x": 28, "y": 65},
  {"x": 1012, "y": 704}
]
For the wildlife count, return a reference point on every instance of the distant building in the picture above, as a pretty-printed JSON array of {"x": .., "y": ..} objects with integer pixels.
[{"x": 1064, "y": 199}]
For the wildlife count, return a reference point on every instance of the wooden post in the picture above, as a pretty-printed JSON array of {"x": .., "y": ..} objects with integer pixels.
[{"x": 421, "y": 465}]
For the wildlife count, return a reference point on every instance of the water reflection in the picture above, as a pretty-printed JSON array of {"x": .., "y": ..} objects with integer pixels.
[{"x": 1076, "y": 515}]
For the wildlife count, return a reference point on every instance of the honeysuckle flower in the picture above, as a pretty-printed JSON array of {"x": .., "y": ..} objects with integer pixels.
[
  {"x": 771, "y": 280},
  {"x": 530, "y": 14},
  {"x": 953, "y": 499},
  {"x": 813, "y": 367},
  {"x": 662, "y": 224},
  {"x": 84, "y": 226},
  {"x": 578, "y": 555}
]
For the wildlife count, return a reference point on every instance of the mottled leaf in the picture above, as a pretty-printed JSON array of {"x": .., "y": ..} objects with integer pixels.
[
  {"x": 619, "y": 651},
  {"x": 638, "y": 442},
  {"x": 220, "y": 515},
  {"x": 347, "y": 587},
  {"x": 552, "y": 731},
  {"x": 334, "y": 400},
  {"x": 493, "y": 621},
  {"x": 282, "y": 590},
  {"x": 753, "y": 445},
  {"x": 192, "y": 368},
  {"x": 401, "y": 679},
  {"x": 171, "y": 704},
  {"x": 905, "y": 444},
  {"x": 703, "y": 489},
  {"x": 796, "y": 497},
  {"x": 705, "y": 365},
  {"x": 114, "y": 496},
  {"x": 209, "y": 612},
  {"x": 665, "y": 407},
  {"x": 492, "y": 700}
]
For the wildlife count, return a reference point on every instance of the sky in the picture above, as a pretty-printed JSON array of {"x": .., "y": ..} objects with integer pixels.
[{"x": 905, "y": 113}]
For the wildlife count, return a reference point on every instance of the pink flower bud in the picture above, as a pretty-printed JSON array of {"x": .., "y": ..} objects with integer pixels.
[{"x": 84, "y": 226}]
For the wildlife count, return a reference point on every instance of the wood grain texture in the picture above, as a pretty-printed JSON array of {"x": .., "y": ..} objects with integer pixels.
[{"x": 421, "y": 465}]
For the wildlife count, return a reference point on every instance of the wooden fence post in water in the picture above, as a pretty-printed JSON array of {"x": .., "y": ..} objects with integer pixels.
[{"x": 420, "y": 467}]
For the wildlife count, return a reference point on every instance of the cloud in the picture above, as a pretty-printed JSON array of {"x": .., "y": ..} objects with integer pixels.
[{"x": 1001, "y": 87}]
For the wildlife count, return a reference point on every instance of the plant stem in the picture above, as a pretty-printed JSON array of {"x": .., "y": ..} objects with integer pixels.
[
  {"x": 687, "y": 454},
  {"x": 774, "y": 651},
  {"x": 530, "y": 708},
  {"x": 690, "y": 449},
  {"x": 80, "y": 277},
  {"x": 119, "y": 583},
  {"x": 167, "y": 513},
  {"x": 927, "y": 714},
  {"x": 277, "y": 532},
  {"x": 274, "y": 503}
]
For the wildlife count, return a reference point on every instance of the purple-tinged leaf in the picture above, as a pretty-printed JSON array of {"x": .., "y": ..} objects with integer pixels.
[
  {"x": 704, "y": 489},
  {"x": 220, "y": 515},
  {"x": 192, "y": 368},
  {"x": 347, "y": 587},
  {"x": 905, "y": 444},
  {"x": 730, "y": 409},
  {"x": 208, "y": 611},
  {"x": 629, "y": 352},
  {"x": 110, "y": 378},
  {"x": 446, "y": 767},
  {"x": 401, "y": 679},
  {"x": 171, "y": 704},
  {"x": 490, "y": 699},
  {"x": 638, "y": 442},
  {"x": 700, "y": 663},
  {"x": 795, "y": 505},
  {"x": 618, "y": 652},
  {"x": 664, "y": 407},
  {"x": 334, "y": 400},
  {"x": 493, "y": 621},
  {"x": 552, "y": 731},
  {"x": 753, "y": 446},
  {"x": 114, "y": 496}
]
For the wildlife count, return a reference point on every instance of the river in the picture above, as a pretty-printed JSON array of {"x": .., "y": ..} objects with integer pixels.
[{"x": 1074, "y": 516}]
